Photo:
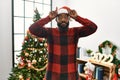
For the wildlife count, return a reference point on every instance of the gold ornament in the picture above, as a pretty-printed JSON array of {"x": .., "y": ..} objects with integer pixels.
[
  {"x": 45, "y": 44},
  {"x": 26, "y": 54},
  {"x": 29, "y": 64},
  {"x": 20, "y": 77},
  {"x": 34, "y": 61}
]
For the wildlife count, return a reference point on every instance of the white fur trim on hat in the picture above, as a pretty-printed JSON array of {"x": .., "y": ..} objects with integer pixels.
[{"x": 62, "y": 10}]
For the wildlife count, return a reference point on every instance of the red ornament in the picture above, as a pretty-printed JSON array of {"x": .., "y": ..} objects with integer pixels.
[
  {"x": 44, "y": 78},
  {"x": 26, "y": 38},
  {"x": 87, "y": 77},
  {"x": 23, "y": 42},
  {"x": 115, "y": 77},
  {"x": 40, "y": 39},
  {"x": 22, "y": 58},
  {"x": 21, "y": 64},
  {"x": 28, "y": 79}
]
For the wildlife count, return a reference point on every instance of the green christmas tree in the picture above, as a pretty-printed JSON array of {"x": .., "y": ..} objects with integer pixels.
[
  {"x": 32, "y": 60},
  {"x": 36, "y": 15}
]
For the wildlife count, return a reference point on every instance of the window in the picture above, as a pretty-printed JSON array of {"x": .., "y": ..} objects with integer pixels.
[{"x": 22, "y": 17}]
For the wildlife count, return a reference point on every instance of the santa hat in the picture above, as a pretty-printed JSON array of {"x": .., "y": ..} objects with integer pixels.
[{"x": 63, "y": 9}]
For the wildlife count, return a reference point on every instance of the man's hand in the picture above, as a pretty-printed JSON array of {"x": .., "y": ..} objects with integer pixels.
[
  {"x": 53, "y": 14},
  {"x": 73, "y": 14}
]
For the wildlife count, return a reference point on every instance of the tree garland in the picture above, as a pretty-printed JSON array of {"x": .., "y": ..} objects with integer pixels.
[
  {"x": 39, "y": 69},
  {"x": 113, "y": 52}
]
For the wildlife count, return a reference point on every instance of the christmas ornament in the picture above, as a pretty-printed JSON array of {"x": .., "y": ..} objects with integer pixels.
[
  {"x": 30, "y": 40},
  {"x": 40, "y": 39},
  {"x": 22, "y": 58},
  {"x": 28, "y": 79},
  {"x": 20, "y": 77},
  {"x": 119, "y": 72},
  {"x": 21, "y": 64},
  {"x": 89, "y": 69},
  {"x": 28, "y": 61},
  {"x": 41, "y": 44},
  {"x": 23, "y": 42},
  {"x": 45, "y": 49},
  {"x": 45, "y": 44},
  {"x": 26, "y": 54},
  {"x": 26, "y": 38},
  {"x": 34, "y": 61},
  {"x": 115, "y": 77},
  {"x": 35, "y": 39},
  {"x": 29, "y": 64},
  {"x": 35, "y": 50},
  {"x": 39, "y": 59},
  {"x": 41, "y": 52}
]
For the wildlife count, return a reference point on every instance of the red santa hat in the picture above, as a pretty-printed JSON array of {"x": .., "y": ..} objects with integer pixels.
[{"x": 63, "y": 9}]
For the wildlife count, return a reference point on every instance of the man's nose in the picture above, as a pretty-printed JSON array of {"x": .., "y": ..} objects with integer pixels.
[{"x": 63, "y": 19}]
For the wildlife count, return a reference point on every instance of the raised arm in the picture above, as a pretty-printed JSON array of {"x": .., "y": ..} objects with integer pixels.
[
  {"x": 38, "y": 29},
  {"x": 88, "y": 26}
]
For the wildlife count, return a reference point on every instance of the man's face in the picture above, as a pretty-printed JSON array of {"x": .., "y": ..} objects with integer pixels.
[{"x": 63, "y": 20}]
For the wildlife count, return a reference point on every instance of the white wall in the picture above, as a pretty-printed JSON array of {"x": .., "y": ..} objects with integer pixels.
[
  {"x": 5, "y": 39},
  {"x": 105, "y": 13}
]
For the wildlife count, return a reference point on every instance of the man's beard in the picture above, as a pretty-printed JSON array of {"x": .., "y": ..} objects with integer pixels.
[{"x": 63, "y": 27}]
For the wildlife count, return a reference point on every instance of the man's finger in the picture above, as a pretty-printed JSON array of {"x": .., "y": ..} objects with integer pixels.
[{"x": 56, "y": 9}]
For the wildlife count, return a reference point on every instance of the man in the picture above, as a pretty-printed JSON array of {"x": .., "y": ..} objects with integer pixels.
[{"x": 62, "y": 42}]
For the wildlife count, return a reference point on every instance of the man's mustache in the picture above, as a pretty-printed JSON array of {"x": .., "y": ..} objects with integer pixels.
[{"x": 64, "y": 22}]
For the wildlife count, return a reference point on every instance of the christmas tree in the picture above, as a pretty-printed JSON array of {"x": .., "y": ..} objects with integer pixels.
[{"x": 32, "y": 60}]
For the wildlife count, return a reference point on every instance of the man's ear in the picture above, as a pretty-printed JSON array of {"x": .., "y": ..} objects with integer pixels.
[
  {"x": 56, "y": 19},
  {"x": 70, "y": 19}
]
